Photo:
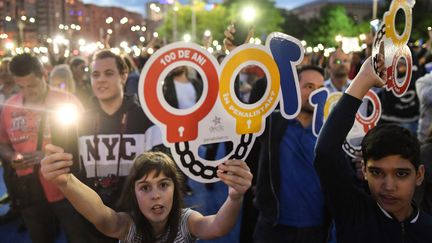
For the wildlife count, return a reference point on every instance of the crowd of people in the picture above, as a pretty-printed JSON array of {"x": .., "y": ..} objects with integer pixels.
[{"x": 122, "y": 183}]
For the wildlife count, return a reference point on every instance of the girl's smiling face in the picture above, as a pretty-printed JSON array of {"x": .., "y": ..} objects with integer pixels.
[{"x": 155, "y": 194}]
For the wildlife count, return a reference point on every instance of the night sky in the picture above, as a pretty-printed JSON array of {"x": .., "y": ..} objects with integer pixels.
[{"x": 137, "y": 5}]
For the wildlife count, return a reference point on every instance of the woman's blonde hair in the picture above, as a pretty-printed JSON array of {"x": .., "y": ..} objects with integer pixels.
[{"x": 63, "y": 72}]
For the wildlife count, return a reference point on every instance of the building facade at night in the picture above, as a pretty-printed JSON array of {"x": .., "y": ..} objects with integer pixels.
[
  {"x": 358, "y": 9},
  {"x": 31, "y": 22}
]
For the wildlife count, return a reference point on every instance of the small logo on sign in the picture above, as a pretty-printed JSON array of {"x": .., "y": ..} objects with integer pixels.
[{"x": 217, "y": 125}]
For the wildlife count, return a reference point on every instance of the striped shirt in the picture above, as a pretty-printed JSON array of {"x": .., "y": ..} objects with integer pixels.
[{"x": 183, "y": 234}]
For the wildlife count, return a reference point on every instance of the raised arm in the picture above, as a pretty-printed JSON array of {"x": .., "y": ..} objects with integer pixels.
[
  {"x": 337, "y": 182},
  {"x": 55, "y": 167},
  {"x": 342, "y": 116},
  {"x": 237, "y": 176}
]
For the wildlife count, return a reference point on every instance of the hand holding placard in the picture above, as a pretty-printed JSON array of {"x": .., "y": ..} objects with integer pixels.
[
  {"x": 185, "y": 130},
  {"x": 394, "y": 47}
]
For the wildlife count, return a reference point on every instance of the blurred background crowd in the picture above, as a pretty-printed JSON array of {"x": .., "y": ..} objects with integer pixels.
[{"x": 337, "y": 36}]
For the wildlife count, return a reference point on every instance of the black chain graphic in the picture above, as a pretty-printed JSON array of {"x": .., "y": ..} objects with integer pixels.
[
  {"x": 350, "y": 149},
  {"x": 241, "y": 149},
  {"x": 197, "y": 168}
]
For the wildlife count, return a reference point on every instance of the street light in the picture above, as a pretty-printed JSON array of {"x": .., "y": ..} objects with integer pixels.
[
  {"x": 9, "y": 45},
  {"x": 8, "y": 18},
  {"x": 187, "y": 37},
  {"x": 81, "y": 42},
  {"x": 109, "y": 20},
  {"x": 124, "y": 20},
  {"x": 59, "y": 39},
  {"x": 248, "y": 14},
  {"x": 43, "y": 49},
  {"x": 44, "y": 59},
  {"x": 32, "y": 20},
  {"x": 207, "y": 33},
  {"x": 23, "y": 18},
  {"x": 207, "y": 38},
  {"x": 123, "y": 44}
]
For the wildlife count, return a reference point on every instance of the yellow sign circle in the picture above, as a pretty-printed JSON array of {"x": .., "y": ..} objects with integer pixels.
[
  {"x": 390, "y": 18},
  {"x": 331, "y": 101},
  {"x": 249, "y": 120}
]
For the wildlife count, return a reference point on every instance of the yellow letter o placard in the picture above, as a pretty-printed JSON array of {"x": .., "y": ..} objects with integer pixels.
[
  {"x": 390, "y": 22},
  {"x": 249, "y": 117}
]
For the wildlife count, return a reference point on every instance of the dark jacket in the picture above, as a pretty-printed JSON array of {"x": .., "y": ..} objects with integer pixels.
[
  {"x": 132, "y": 81},
  {"x": 170, "y": 92},
  {"x": 357, "y": 215},
  {"x": 267, "y": 187}
]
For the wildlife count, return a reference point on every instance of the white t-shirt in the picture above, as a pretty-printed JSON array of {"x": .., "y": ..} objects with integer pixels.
[
  {"x": 183, "y": 233},
  {"x": 186, "y": 94}
]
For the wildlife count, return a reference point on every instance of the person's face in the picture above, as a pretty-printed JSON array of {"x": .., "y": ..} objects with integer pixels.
[
  {"x": 401, "y": 68},
  {"x": 107, "y": 83},
  {"x": 155, "y": 197},
  {"x": 79, "y": 71},
  {"x": 58, "y": 82},
  {"x": 309, "y": 80},
  {"x": 392, "y": 181},
  {"x": 339, "y": 64},
  {"x": 32, "y": 87}
]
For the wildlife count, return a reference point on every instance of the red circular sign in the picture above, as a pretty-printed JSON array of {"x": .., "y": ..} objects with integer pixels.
[{"x": 180, "y": 127}]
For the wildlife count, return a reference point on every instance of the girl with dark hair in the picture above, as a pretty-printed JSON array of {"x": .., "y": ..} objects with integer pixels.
[{"x": 151, "y": 200}]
